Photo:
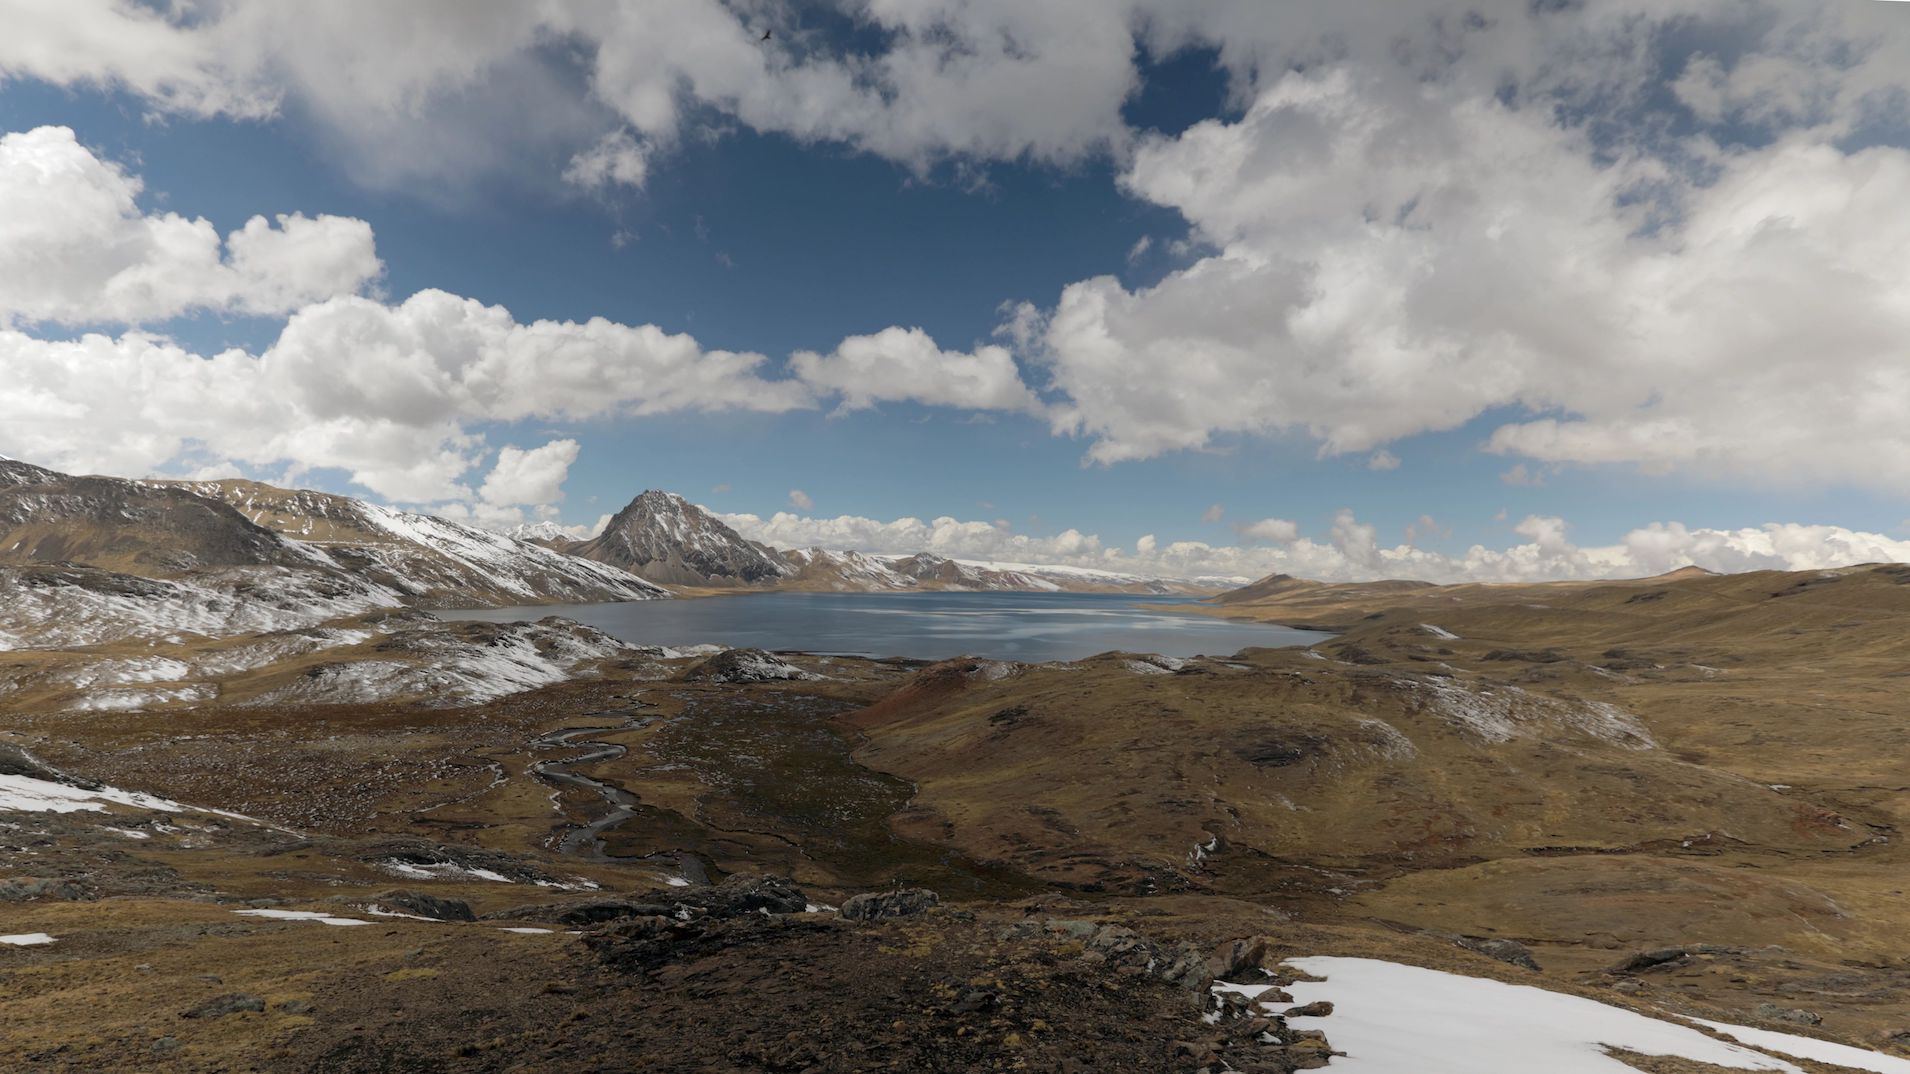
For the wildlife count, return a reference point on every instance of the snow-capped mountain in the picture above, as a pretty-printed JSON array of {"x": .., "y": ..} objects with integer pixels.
[
  {"x": 668, "y": 539},
  {"x": 92, "y": 560},
  {"x": 430, "y": 561},
  {"x": 547, "y": 533},
  {"x": 850, "y": 571}
]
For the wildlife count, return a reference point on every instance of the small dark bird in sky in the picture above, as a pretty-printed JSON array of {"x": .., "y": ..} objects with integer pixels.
[{"x": 765, "y": 37}]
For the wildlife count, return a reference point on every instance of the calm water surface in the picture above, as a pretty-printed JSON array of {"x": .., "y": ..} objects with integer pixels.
[{"x": 930, "y": 626}]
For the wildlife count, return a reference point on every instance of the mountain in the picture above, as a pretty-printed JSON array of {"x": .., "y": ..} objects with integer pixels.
[
  {"x": 546, "y": 533},
  {"x": 1286, "y": 590},
  {"x": 668, "y": 539},
  {"x": 862, "y": 572},
  {"x": 99, "y": 560},
  {"x": 48, "y": 517},
  {"x": 430, "y": 561}
]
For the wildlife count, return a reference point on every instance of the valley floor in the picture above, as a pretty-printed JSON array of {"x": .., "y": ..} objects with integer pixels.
[{"x": 1679, "y": 798}]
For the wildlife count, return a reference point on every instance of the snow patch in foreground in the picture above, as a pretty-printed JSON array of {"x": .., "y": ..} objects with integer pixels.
[
  {"x": 25, "y": 794},
  {"x": 26, "y": 939},
  {"x": 1801, "y": 1047},
  {"x": 1394, "y": 1019},
  {"x": 302, "y": 915}
]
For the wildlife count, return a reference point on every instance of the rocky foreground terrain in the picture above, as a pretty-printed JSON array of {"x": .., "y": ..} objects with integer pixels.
[{"x": 259, "y": 810}]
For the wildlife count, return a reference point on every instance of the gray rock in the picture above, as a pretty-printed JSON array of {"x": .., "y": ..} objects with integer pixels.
[
  {"x": 881, "y": 906},
  {"x": 230, "y": 1003},
  {"x": 435, "y": 907},
  {"x": 745, "y": 894},
  {"x": 1509, "y": 951},
  {"x": 1771, "y": 1012}
]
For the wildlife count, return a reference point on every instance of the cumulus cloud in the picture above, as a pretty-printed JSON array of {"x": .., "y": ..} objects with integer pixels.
[
  {"x": 1349, "y": 551},
  {"x": 393, "y": 395},
  {"x": 529, "y": 477},
  {"x": 1414, "y": 227},
  {"x": 800, "y": 500},
  {"x": 899, "y": 364},
  {"x": 76, "y": 248},
  {"x": 1272, "y": 530}
]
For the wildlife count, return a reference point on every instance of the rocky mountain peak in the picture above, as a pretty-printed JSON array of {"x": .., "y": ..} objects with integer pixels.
[{"x": 668, "y": 539}]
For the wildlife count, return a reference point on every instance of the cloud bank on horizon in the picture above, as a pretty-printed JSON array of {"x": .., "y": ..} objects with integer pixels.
[{"x": 1661, "y": 235}]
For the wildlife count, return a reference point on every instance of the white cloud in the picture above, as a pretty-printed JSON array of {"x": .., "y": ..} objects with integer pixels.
[
  {"x": 1418, "y": 229},
  {"x": 800, "y": 500},
  {"x": 1350, "y": 551},
  {"x": 1146, "y": 544},
  {"x": 905, "y": 364},
  {"x": 1214, "y": 513},
  {"x": 1272, "y": 530},
  {"x": 445, "y": 87},
  {"x": 1519, "y": 475},
  {"x": 111, "y": 43},
  {"x": 76, "y": 248},
  {"x": 618, "y": 159},
  {"x": 1382, "y": 460},
  {"x": 392, "y": 395},
  {"x": 529, "y": 477}
]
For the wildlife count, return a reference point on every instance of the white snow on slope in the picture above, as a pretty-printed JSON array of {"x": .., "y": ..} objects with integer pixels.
[
  {"x": 1394, "y": 1019},
  {"x": 70, "y": 608},
  {"x": 1503, "y": 713},
  {"x": 1439, "y": 632},
  {"x": 455, "y": 668},
  {"x": 1801, "y": 1047},
  {"x": 26, "y": 939},
  {"x": 505, "y": 563},
  {"x": 140, "y": 699},
  {"x": 441, "y": 870},
  {"x": 26, "y": 794},
  {"x": 302, "y": 915}
]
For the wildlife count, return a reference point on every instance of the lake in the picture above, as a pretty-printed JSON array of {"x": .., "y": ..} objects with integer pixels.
[{"x": 1029, "y": 627}]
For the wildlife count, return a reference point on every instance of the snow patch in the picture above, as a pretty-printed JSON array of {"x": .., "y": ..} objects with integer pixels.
[
  {"x": 1395, "y": 1019},
  {"x": 302, "y": 915},
  {"x": 440, "y": 870},
  {"x": 26, "y": 939},
  {"x": 1800, "y": 1047}
]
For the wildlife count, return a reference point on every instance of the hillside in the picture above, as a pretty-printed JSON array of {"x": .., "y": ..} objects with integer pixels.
[
  {"x": 94, "y": 560},
  {"x": 432, "y": 562}
]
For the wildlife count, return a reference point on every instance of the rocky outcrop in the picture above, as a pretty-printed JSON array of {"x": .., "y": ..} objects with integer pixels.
[
  {"x": 882, "y": 906},
  {"x": 745, "y": 665}
]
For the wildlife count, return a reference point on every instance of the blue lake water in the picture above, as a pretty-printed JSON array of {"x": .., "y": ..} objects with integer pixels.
[{"x": 934, "y": 626}]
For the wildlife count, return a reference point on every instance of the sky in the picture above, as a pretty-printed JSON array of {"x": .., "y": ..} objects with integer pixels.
[{"x": 1458, "y": 291}]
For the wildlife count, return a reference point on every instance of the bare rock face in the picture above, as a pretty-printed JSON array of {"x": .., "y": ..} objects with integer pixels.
[
  {"x": 884, "y": 905},
  {"x": 666, "y": 538}
]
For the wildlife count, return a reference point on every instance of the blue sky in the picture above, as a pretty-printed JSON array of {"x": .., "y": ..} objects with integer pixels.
[{"x": 760, "y": 235}]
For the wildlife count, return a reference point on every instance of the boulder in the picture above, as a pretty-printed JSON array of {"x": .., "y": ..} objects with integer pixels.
[
  {"x": 435, "y": 907},
  {"x": 881, "y": 906}
]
